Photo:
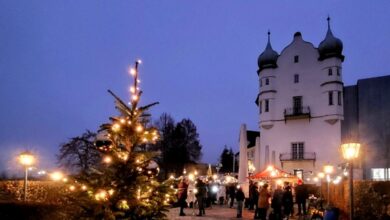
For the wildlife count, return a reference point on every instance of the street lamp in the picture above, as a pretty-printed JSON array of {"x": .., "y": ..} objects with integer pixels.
[
  {"x": 26, "y": 159},
  {"x": 328, "y": 169},
  {"x": 350, "y": 152}
]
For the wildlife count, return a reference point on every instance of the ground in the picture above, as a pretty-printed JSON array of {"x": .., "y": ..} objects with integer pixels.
[{"x": 216, "y": 212}]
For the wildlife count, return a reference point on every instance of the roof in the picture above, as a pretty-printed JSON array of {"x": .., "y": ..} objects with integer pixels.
[
  {"x": 251, "y": 136},
  {"x": 271, "y": 173}
]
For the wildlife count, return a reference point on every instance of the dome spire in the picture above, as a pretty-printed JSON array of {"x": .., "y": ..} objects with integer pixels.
[
  {"x": 269, "y": 40},
  {"x": 268, "y": 58},
  {"x": 328, "y": 19},
  {"x": 330, "y": 46}
]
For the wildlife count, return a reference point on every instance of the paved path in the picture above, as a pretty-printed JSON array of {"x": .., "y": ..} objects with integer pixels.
[{"x": 216, "y": 212}]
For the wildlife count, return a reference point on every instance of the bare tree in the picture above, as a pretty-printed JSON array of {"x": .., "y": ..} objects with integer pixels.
[{"x": 79, "y": 155}]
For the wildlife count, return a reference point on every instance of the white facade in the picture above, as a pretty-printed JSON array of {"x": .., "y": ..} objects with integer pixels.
[
  {"x": 300, "y": 105},
  {"x": 320, "y": 131}
]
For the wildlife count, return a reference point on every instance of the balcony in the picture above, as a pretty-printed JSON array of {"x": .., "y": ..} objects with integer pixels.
[
  {"x": 290, "y": 157},
  {"x": 297, "y": 113},
  {"x": 294, "y": 157}
]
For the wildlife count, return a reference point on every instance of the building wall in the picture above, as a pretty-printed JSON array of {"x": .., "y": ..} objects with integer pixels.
[{"x": 368, "y": 107}]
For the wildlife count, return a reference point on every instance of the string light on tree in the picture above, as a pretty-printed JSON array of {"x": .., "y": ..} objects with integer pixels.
[{"x": 127, "y": 181}]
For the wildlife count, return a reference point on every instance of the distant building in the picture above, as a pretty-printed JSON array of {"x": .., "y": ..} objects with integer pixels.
[{"x": 302, "y": 103}]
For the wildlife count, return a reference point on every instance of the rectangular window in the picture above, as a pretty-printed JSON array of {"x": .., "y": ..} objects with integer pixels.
[
  {"x": 260, "y": 105},
  {"x": 330, "y": 97},
  {"x": 338, "y": 71},
  {"x": 267, "y": 81},
  {"x": 297, "y": 105},
  {"x": 294, "y": 151},
  {"x": 296, "y": 59},
  {"x": 378, "y": 173},
  {"x": 296, "y": 78},
  {"x": 339, "y": 98},
  {"x": 266, "y": 105},
  {"x": 297, "y": 151},
  {"x": 301, "y": 150},
  {"x": 330, "y": 72}
]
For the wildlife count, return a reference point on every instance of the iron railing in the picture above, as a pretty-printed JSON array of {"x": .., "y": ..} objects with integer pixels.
[
  {"x": 297, "y": 111},
  {"x": 297, "y": 156}
]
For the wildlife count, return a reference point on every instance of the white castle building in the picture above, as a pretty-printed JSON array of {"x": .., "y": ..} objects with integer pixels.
[{"x": 300, "y": 107}]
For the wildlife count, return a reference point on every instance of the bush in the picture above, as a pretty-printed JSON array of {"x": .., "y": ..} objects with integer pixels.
[{"x": 31, "y": 211}]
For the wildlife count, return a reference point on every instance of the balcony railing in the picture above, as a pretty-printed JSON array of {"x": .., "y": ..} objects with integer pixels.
[
  {"x": 297, "y": 156},
  {"x": 297, "y": 112}
]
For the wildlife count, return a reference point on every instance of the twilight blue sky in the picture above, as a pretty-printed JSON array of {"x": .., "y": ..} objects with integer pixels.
[{"x": 58, "y": 58}]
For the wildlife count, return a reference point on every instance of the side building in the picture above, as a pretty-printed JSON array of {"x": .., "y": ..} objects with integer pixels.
[{"x": 366, "y": 120}]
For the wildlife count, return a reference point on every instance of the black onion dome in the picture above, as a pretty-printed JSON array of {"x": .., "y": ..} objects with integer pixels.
[
  {"x": 268, "y": 58},
  {"x": 330, "y": 46}
]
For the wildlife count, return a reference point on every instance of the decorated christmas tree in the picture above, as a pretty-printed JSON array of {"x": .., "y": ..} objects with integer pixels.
[{"x": 124, "y": 185}]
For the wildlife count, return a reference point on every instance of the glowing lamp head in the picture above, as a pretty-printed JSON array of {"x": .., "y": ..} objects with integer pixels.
[
  {"x": 26, "y": 159},
  {"x": 350, "y": 150},
  {"x": 191, "y": 177},
  {"x": 321, "y": 175}
]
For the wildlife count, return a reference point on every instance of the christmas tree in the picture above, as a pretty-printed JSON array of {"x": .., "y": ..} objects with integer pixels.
[{"x": 124, "y": 184}]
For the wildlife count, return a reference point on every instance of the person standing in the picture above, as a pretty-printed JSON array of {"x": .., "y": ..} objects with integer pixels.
[
  {"x": 240, "y": 200},
  {"x": 182, "y": 195},
  {"x": 232, "y": 194},
  {"x": 287, "y": 201},
  {"x": 263, "y": 203},
  {"x": 200, "y": 196},
  {"x": 300, "y": 197},
  {"x": 253, "y": 195},
  {"x": 277, "y": 201}
]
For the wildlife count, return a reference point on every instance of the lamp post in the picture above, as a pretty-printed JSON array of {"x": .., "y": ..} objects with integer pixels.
[
  {"x": 328, "y": 169},
  {"x": 350, "y": 152},
  {"x": 26, "y": 159}
]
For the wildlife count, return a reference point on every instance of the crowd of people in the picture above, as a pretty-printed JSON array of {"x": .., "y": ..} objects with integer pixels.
[{"x": 277, "y": 203}]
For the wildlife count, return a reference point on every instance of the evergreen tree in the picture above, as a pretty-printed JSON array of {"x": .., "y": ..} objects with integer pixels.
[
  {"x": 226, "y": 159},
  {"x": 179, "y": 144},
  {"x": 123, "y": 184}
]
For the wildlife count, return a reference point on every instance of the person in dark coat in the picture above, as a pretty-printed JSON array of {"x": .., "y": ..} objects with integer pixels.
[
  {"x": 240, "y": 200},
  {"x": 201, "y": 196},
  {"x": 277, "y": 202},
  {"x": 182, "y": 195},
  {"x": 300, "y": 197},
  {"x": 287, "y": 201},
  {"x": 232, "y": 194},
  {"x": 253, "y": 195}
]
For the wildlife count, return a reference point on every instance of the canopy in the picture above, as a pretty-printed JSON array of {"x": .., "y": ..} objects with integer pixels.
[{"x": 272, "y": 173}]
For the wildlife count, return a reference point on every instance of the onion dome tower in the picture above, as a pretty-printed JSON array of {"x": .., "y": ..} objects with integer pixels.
[
  {"x": 330, "y": 46},
  {"x": 268, "y": 58}
]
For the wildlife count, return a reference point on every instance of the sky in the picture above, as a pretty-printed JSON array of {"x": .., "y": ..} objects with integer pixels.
[{"x": 58, "y": 58}]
